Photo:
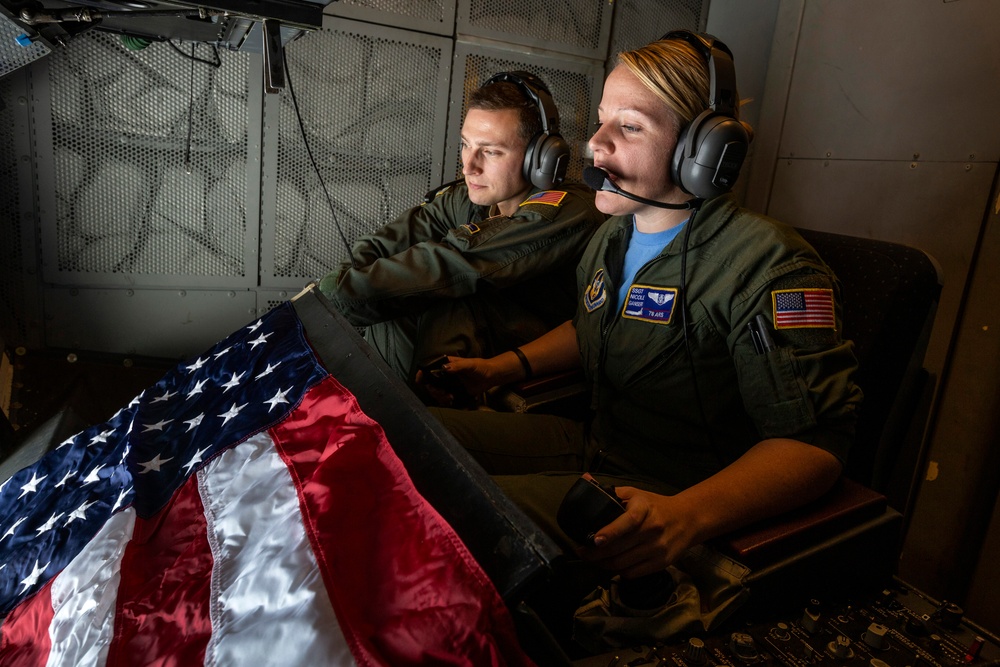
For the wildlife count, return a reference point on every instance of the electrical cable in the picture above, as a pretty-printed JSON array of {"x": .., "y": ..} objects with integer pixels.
[
  {"x": 187, "y": 151},
  {"x": 687, "y": 343},
  {"x": 302, "y": 130},
  {"x": 216, "y": 63}
]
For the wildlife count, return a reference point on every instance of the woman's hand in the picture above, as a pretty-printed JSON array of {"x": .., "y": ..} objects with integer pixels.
[
  {"x": 477, "y": 375},
  {"x": 652, "y": 533},
  {"x": 452, "y": 377}
]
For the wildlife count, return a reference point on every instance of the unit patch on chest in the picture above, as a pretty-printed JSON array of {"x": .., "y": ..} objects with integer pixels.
[
  {"x": 596, "y": 294},
  {"x": 650, "y": 304}
]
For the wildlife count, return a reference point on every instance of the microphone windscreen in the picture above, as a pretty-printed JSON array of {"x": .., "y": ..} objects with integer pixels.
[{"x": 595, "y": 178}]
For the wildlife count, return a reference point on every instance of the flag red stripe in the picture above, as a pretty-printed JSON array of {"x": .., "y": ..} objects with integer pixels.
[
  {"x": 24, "y": 635},
  {"x": 162, "y": 610},
  {"x": 405, "y": 589}
]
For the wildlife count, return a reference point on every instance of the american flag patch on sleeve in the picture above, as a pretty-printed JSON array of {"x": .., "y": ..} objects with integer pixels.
[
  {"x": 550, "y": 197},
  {"x": 798, "y": 308}
]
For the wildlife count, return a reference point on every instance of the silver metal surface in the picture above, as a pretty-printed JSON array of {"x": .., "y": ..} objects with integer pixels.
[
  {"x": 374, "y": 104},
  {"x": 576, "y": 27}
]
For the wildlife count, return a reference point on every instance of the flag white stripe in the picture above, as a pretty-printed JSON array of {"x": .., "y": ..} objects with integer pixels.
[
  {"x": 84, "y": 595},
  {"x": 270, "y": 606}
]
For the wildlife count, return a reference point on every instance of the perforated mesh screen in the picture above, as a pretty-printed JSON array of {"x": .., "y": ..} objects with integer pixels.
[
  {"x": 572, "y": 93},
  {"x": 421, "y": 9},
  {"x": 11, "y": 261},
  {"x": 13, "y": 55},
  {"x": 368, "y": 107},
  {"x": 133, "y": 193},
  {"x": 557, "y": 23},
  {"x": 639, "y": 22}
]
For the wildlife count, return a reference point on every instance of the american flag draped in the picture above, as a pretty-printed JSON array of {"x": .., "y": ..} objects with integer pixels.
[{"x": 242, "y": 511}]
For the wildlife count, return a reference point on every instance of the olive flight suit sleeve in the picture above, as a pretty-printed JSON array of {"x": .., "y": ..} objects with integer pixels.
[
  {"x": 796, "y": 372},
  {"x": 458, "y": 257}
]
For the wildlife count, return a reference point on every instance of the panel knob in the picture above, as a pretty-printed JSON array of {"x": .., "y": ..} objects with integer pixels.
[
  {"x": 875, "y": 636},
  {"x": 695, "y": 653},
  {"x": 840, "y": 648}
]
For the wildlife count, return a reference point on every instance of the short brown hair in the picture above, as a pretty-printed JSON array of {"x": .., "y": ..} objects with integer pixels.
[{"x": 505, "y": 95}]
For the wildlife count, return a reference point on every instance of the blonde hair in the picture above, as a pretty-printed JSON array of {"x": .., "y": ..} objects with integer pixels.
[{"x": 676, "y": 73}]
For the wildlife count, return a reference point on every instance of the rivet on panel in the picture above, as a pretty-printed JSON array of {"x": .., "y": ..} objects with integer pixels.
[
  {"x": 968, "y": 167},
  {"x": 181, "y": 293},
  {"x": 130, "y": 293},
  {"x": 71, "y": 357},
  {"x": 916, "y": 156},
  {"x": 232, "y": 295},
  {"x": 127, "y": 363},
  {"x": 74, "y": 292},
  {"x": 829, "y": 153},
  {"x": 913, "y": 165},
  {"x": 22, "y": 100}
]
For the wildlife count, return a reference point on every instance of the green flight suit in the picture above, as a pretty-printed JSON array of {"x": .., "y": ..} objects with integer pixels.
[
  {"x": 448, "y": 278},
  {"x": 691, "y": 408},
  {"x": 662, "y": 421}
]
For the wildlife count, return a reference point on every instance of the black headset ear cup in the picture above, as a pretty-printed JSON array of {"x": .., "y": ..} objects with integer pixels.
[
  {"x": 547, "y": 155},
  {"x": 546, "y": 160},
  {"x": 709, "y": 154}
]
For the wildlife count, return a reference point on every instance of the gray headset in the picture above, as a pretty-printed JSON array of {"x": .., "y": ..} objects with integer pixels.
[
  {"x": 547, "y": 155},
  {"x": 710, "y": 151}
]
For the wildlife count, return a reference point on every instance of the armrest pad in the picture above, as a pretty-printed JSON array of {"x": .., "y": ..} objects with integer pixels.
[
  {"x": 544, "y": 383},
  {"x": 847, "y": 503},
  {"x": 558, "y": 393}
]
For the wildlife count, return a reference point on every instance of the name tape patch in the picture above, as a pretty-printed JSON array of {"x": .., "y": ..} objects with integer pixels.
[{"x": 650, "y": 304}]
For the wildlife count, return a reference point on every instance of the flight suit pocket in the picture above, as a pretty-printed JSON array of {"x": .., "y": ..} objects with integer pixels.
[{"x": 774, "y": 393}]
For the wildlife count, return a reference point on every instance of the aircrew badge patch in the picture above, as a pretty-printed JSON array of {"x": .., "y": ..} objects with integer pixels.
[
  {"x": 650, "y": 304},
  {"x": 803, "y": 308},
  {"x": 550, "y": 197},
  {"x": 596, "y": 294},
  {"x": 472, "y": 228}
]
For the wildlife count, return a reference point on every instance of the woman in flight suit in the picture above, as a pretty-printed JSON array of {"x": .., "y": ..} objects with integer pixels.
[{"x": 722, "y": 392}]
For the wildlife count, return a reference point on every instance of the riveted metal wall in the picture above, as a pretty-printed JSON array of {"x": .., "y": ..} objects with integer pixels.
[
  {"x": 373, "y": 102},
  {"x": 433, "y": 16},
  {"x": 565, "y": 26},
  {"x": 12, "y": 55},
  {"x": 165, "y": 195},
  {"x": 143, "y": 165},
  {"x": 11, "y": 257},
  {"x": 639, "y": 22}
]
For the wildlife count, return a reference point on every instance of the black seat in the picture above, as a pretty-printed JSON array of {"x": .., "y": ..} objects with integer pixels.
[
  {"x": 890, "y": 297},
  {"x": 849, "y": 541}
]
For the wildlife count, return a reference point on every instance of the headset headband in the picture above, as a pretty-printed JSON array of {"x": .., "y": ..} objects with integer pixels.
[
  {"x": 537, "y": 92},
  {"x": 721, "y": 69}
]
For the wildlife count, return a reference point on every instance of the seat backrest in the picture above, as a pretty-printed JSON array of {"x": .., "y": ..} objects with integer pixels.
[{"x": 890, "y": 296}]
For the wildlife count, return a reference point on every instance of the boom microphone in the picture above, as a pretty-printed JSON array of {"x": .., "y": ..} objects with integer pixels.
[
  {"x": 598, "y": 179},
  {"x": 429, "y": 197}
]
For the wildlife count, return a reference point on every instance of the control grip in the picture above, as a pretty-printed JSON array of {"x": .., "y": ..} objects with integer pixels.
[{"x": 586, "y": 508}]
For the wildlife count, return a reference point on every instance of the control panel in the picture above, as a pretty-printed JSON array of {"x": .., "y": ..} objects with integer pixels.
[{"x": 899, "y": 628}]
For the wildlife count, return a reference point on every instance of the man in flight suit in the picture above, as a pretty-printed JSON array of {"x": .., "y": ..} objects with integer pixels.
[{"x": 487, "y": 264}]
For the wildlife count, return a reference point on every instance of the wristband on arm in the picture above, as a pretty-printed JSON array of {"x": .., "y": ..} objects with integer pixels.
[{"x": 524, "y": 363}]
